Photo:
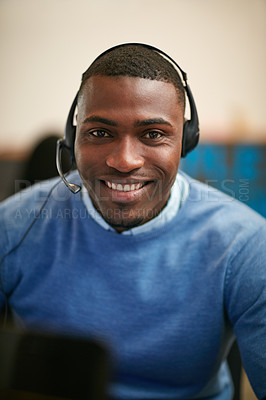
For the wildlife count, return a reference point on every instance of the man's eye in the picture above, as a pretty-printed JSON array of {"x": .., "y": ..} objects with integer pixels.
[
  {"x": 153, "y": 135},
  {"x": 99, "y": 133}
]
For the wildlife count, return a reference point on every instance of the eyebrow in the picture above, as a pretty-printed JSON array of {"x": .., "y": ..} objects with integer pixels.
[
  {"x": 97, "y": 118},
  {"x": 152, "y": 121}
]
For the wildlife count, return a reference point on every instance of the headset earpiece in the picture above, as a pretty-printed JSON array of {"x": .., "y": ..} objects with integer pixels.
[
  {"x": 70, "y": 129},
  {"x": 190, "y": 136},
  {"x": 68, "y": 143}
]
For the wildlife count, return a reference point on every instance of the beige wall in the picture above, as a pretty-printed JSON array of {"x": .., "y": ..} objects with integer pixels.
[{"x": 46, "y": 45}]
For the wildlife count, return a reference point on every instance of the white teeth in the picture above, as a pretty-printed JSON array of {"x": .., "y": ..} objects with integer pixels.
[{"x": 124, "y": 188}]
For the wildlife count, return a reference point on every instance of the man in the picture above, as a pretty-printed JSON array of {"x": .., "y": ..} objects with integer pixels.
[{"x": 161, "y": 267}]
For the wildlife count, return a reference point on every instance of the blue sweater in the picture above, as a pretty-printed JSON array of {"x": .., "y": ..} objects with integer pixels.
[{"x": 168, "y": 303}]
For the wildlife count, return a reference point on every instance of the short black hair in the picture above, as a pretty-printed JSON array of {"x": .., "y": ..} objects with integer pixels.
[{"x": 136, "y": 60}]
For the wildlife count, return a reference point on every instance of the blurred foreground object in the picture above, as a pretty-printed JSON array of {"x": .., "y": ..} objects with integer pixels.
[{"x": 44, "y": 366}]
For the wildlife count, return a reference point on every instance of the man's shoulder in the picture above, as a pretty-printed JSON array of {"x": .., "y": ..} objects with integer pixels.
[
  {"x": 36, "y": 194},
  {"x": 19, "y": 211},
  {"x": 219, "y": 210},
  {"x": 30, "y": 197}
]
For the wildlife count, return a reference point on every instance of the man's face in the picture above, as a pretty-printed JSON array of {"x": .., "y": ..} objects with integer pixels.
[{"x": 128, "y": 145}]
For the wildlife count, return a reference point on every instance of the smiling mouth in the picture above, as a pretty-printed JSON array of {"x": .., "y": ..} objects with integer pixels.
[{"x": 125, "y": 187}]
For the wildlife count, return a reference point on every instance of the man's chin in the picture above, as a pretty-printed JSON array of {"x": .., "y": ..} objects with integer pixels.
[
  {"x": 122, "y": 217},
  {"x": 121, "y": 225},
  {"x": 125, "y": 219}
]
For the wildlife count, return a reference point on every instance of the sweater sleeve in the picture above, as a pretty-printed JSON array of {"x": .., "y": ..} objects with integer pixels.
[
  {"x": 3, "y": 252},
  {"x": 245, "y": 299},
  {"x": 17, "y": 214}
]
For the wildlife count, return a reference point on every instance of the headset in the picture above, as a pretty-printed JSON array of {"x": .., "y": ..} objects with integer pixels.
[{"x": 190, "y": 136}]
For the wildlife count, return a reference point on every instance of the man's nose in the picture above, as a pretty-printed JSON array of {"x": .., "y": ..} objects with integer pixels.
[{"x": 125, "y": 156}]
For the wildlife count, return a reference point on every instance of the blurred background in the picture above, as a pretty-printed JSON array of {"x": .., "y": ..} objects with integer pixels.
[{"x": 46, "y": 45}]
